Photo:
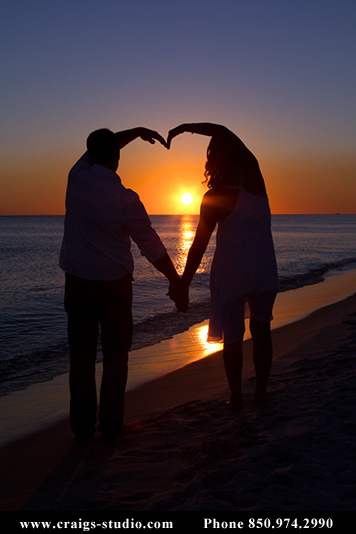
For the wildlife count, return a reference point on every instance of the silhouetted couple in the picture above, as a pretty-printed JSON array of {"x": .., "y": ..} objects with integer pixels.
[{"x": 102, "y": 217}]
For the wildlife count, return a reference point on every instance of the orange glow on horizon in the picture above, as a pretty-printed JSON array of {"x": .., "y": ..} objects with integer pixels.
[{"x": 304, "y": 183}]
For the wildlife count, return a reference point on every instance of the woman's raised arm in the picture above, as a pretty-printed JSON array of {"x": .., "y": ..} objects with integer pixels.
[
  {"x": 206, "y": 225},
  {"x": 202, "y": 128}
]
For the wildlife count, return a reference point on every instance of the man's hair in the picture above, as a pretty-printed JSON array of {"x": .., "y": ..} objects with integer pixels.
[{"x": 102, "y": 146}]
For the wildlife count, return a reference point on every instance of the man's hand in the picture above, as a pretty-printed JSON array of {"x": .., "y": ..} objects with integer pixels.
[{"x": 127, "y": 136}]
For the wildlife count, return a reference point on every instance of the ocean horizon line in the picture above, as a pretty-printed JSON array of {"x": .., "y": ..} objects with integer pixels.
[{"x": 180, "y": 214}]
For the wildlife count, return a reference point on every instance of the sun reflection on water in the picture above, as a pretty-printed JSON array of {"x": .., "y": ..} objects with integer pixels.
[
  {"x": 202, "y": 336},
  {"x": 186, "y": 237}
]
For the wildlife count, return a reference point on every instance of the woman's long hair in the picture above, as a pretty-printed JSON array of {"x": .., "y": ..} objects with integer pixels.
[
  {"x": 231, "y": 165},
  {"x": 223, "y": 161}
]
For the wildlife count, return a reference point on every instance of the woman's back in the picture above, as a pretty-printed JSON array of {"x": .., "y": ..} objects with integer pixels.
[{"x": 249, "y": 218}]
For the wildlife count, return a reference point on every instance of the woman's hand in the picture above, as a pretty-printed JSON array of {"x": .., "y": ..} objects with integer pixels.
[
  {"x": 151, "y": 136},
  {"x": 173, "y": 133}
]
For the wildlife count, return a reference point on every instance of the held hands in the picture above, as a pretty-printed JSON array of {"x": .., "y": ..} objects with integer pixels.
[
  {"x": 151, "y": 136},
  {"x": 202, "y": 128},
  {"x": 178, "y": 289},
  {"x": 179, "y": 293}
]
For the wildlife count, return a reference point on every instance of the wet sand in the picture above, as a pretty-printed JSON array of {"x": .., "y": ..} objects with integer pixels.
[{"x": 181, "y": 450}]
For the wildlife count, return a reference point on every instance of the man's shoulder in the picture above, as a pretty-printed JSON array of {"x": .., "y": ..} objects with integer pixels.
[{"x": 130, "y": 194}]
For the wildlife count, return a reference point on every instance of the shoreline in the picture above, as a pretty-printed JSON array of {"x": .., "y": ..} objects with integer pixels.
[
  {"x": 45, "y": 403},
  {"x": 181, "y": 450}
]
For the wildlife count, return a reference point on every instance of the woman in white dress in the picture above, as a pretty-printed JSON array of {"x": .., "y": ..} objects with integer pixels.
[{"x": 243, "y": 278}]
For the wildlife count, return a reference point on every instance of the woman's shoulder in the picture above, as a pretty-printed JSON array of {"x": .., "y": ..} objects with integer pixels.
[
  {"x": 222, "y": 191},
  {"x": 222, "y": 200},
  {"x": 211, "y": 195}
]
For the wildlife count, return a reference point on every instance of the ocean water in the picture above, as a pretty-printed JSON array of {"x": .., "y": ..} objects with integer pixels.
[{"x": 33, "y": 343}]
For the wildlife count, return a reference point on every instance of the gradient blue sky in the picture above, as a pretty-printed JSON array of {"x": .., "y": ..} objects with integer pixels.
[{"x": 279, "y": 73}]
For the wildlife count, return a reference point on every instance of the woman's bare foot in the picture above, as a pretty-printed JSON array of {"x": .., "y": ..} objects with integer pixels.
[{"x": 235, "y": 403}]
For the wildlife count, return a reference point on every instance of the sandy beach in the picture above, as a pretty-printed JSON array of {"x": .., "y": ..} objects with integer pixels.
[{"x": 181, "y": 450}]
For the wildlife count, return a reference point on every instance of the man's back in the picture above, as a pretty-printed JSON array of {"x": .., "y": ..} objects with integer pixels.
[{"x": 101, "y": 215}]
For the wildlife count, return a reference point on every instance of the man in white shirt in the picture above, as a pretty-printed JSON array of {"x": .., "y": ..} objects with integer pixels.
[{"x": 102, "y": 217}]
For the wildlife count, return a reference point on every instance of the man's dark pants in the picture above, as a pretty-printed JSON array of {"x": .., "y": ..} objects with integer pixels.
[{"x": 89, "y": 305}]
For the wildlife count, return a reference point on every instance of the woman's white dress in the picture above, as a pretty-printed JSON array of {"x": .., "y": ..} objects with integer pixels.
[{"x": 244, "y": 278}]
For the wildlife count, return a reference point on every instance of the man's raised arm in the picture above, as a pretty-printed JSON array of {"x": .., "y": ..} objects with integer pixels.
[{"x": 126, "y": 136}]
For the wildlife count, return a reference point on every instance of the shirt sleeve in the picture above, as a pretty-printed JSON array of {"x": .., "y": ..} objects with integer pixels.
[
  {"x": 83, "y": 163},
  {"x": 141, "y": 231}
]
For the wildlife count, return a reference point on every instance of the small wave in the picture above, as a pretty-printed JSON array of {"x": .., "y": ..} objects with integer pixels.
[
  {"x": 18, "y": 372},
  {"x": 314, "y": 275},
  {"x": 166, "y": 325},
  {"x": 28, "y": 368}
]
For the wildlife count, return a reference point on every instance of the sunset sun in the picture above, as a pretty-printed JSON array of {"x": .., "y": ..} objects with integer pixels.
[{"x": 187, "y": 199}]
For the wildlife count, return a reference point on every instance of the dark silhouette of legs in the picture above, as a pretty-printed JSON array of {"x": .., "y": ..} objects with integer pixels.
[
  {"x": 232, "y": 354},
  {"x": 90, "y": 304},
  {"x": 116, "y": 335},
  {"x": 262, "y": 356},
  {"x": 83, "y": 332}
]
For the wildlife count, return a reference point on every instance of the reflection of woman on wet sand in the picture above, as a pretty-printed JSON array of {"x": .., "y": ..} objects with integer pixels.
[{"x": 243, "y": 280}]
